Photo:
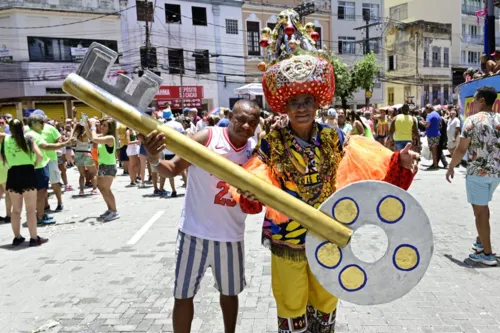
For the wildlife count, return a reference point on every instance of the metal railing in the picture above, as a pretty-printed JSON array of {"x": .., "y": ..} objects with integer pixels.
[
  {"x": 473, "y": 39},
  {"x": 470, "y": 10}
]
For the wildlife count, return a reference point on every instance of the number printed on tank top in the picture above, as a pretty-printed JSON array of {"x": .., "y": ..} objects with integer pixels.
[{"x": 219, "y": 197}]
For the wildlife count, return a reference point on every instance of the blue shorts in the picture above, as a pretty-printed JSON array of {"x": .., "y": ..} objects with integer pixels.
[
  {"x": 142, "y": 151},
  {"x": 123, "y": 154},
  {"x": 42, "y": 178},
  {"x": 480, "y": 189},
  {"x": 400, "y": 145}
]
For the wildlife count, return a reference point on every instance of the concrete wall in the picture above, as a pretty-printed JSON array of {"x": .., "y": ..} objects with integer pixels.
[
  {"x": 267, "y": 11},
  {"x": 345, "y": 28},
  {"x": 38, "y": 76},
  {"x": 189, "y": 37}
]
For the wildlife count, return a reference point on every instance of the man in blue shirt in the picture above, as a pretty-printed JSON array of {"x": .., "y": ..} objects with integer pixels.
[
  {"x": 227, "y": 117},
  {"x": 433, "y": 134}
]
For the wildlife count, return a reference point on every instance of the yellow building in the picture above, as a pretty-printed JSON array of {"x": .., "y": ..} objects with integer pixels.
[
  {"x": 418, "y": 68},
  {"x": 264, "y": 13}
]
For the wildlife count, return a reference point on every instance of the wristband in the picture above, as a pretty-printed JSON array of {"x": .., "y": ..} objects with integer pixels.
[
  {"x": 93, "y": 128},
  {"x": 155, "y": 164}
]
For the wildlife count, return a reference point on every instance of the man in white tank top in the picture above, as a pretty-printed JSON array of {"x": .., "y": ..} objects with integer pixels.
[{"x": 212, "y": 225}]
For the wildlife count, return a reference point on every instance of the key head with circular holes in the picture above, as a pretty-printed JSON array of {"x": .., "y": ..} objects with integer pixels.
[{"x": 409, "y": 251}]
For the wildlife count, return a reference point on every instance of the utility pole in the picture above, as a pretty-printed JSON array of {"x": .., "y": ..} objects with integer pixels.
[
  {"x": 491, "y": 26},
  {"x": 304, "y": 9}
]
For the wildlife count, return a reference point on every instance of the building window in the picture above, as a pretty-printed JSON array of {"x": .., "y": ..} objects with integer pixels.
[
  {"x": 148, "y": 57},
  {"x": 173, "y": 13},
  {"x": 436, "y": 56},
  {"x": 271, "y": 25},
  {"x": 463, "y": 57},
  {"x": 144, "y": 10},
  {"x": 436, "y": 94},
  {"x": 49, "y": 49},
  {"x": 202, "y": 62},
  {"x": 391, "y": 63},
  {"x": 399, "y": 13},
  {"x": 426, "y": 56},
  {"x": 176, "y": 61},
  {"x": 319, "y": 43},
  {"x": 473, "y": 57},
  {"x": 374, "y": 46},
  {"x": 426, "y": 95},
  {"x": 347, "y": 45},
  {"x": 346, "y": 10},
  {"x": 199, "y": 15},
  {"x": 231, "y": 27},
  {"x": 374, "y": 10},
  {"x": 390, "y": 96},
  {"x": 253, "y": 35},
  {"x": 446, "y": 94},
  {"x": 446, "y": 57}
]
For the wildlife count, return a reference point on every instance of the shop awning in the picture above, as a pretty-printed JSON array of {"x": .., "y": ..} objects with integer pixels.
[{"x": 253, "y": 89}]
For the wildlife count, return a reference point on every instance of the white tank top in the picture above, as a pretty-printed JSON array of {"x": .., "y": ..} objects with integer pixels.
[{"x": 209, "y": 212}]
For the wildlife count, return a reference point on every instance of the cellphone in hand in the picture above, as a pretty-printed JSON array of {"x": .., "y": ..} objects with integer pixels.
[{"x": 84, "y": 119}]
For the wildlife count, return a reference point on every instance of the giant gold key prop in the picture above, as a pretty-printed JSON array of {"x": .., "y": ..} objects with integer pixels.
[
  {"x": 330, "y": 255},
  {"x": 89, "y": 86}
]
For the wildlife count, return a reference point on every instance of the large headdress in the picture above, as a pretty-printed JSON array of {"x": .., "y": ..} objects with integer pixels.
[{"x": 293, "y": 65}]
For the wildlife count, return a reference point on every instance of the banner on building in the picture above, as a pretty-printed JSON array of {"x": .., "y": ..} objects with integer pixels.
[
  {"x": 192, "y": 96},
  {"x": 468, "y": 89},
  {"x": 77, "y": 53},
  {"x": 5, "y": 54}
]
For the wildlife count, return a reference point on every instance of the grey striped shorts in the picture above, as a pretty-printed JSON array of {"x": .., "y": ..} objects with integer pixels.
[{"x": 195, "y": 255}]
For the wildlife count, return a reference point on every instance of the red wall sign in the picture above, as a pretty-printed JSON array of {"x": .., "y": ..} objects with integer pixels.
[{"x": 174, "y": 92}]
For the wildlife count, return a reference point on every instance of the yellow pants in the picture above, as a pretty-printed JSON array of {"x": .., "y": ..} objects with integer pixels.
[{"x": 303, "y": 304}]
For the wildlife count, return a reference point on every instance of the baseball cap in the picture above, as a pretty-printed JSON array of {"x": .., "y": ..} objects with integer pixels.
[
  {"x": 167, "y": 114},
  {"x": 332, "y": 112},
  {"x": 41, "y": 113},
  {"x": 185, "y": 110}
]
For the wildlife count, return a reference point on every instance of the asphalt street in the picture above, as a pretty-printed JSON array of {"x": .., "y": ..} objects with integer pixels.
[{"x": 94, "y": 277}]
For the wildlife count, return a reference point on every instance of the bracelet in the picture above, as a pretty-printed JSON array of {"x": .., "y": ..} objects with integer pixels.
[{"x": 93, "y": 128}]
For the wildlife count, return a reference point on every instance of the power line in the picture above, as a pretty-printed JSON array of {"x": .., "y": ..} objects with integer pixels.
[{"x": 69, "y": 23}]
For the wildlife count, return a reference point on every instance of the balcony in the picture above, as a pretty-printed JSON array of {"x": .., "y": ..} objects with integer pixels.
[
  {"x": 470, "y": 10},
  {"x": 473, "y": 39}
]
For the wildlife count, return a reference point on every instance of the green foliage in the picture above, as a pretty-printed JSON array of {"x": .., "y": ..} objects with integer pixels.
[
  {"x": 344, "y": 83},
  {"x": 365, "y": 71}
]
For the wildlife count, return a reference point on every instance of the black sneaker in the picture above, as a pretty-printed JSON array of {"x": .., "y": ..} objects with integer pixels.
[
  {"x": 59, "y": 208},
  {"x": 38, "y": 241},
  {"x": 7, "y": 219},
  {"x": 18, "y": 241},
  {"x": 47, "y": 209},
  {"x": 174, "y": 194}
]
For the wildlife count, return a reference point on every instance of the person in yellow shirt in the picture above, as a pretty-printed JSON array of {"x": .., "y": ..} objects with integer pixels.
[
  {"x": 122, "y": 138},
  {"x": 403, "y": 128}
]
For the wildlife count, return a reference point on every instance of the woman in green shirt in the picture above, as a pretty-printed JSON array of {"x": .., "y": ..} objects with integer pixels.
[
  {"x": 21, "y": 154},
  {"x": 106, "y": 147}
]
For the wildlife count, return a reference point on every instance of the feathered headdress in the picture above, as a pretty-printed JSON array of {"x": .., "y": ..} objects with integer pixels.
[{"x": 293, "y": 65}]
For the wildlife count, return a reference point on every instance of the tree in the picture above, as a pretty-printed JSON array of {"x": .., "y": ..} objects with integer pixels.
[
  {"x": 344, "y": 83},
  {"x": 364, "y": 73}
]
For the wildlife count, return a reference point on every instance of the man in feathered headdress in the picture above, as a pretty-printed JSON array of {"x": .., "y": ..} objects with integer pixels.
[{"x": 307, "y": 160}]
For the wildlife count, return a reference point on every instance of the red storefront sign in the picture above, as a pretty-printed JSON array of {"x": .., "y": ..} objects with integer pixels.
[{"x": 193, "y": 96}]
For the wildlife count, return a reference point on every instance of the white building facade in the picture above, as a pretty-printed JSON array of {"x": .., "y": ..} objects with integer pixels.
[
  {"x": 346, "y": 17},
  {"x": 197, "y": 49},
  {"x": 41, "y": 42}
]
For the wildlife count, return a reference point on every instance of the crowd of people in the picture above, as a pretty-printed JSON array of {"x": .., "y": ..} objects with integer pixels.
[{"x": 396, "y": 127}]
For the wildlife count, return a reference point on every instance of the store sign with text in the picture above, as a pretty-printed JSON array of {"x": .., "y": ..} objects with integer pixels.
[
  {"x": 175, "y": 96},
  {"x": 5, "y": 54}
]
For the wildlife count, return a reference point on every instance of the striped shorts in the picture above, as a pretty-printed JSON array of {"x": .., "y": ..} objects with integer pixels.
[{"x": 195, "y": 255}]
